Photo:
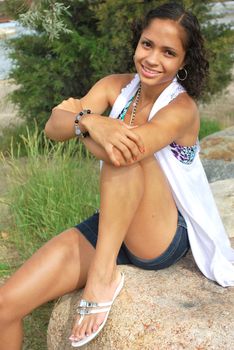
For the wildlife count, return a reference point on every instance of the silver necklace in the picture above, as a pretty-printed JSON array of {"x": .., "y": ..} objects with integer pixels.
[{"x": 134, "y": 106}]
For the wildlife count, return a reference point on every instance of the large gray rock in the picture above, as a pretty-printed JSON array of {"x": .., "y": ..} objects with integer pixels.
[
  {"x": 223, "y": 192},
  {"x": 219, "y": 145},
  {"x": 172, "y": 309},
  {"x": 217, "y": 155},
  {"x": 217, "y": 169}
]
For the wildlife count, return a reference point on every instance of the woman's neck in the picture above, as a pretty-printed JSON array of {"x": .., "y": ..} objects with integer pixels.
[{"x": 149, "y": 94}]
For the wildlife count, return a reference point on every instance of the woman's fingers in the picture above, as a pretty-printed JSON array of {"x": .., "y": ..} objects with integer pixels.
[
  {"x": 136, "y": 139},
  {"x": 124, "y": 147},
  {"x": 112, "y": 155},
  {"x": 110, "y": 134},
  {"x": 126, "y": 154},
  {"x": 118, "y": 155},
  {"x": 128, "y": 148},
  {"x": 133, "y": 148},
  {"x": 122, "y": 151}
]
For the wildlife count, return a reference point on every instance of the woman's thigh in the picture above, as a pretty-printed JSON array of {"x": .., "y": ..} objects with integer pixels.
[
  {"x": 155, "y": 222},
  {"x": 177, "y": 249},
  {"x": 59, "y": 267}
]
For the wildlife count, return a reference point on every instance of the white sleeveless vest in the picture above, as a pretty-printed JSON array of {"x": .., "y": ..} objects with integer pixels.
[{"x": 209, "y": 242}]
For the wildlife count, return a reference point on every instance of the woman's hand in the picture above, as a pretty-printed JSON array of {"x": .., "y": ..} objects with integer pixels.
[{"x": 114, "y": 136}]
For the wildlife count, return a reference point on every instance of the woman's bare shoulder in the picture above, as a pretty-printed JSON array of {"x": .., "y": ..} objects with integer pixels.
[
  {"x": 184, "y": 104},
  {"x": 186, "y": 114},
  {"x": 114, "y": 84}
]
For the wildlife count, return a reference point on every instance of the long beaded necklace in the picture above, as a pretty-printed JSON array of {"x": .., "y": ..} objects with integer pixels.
[{"x": 134, "y": 106}]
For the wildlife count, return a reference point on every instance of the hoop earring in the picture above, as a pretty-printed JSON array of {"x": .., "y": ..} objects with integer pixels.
[{"x": 185, "y": 74}]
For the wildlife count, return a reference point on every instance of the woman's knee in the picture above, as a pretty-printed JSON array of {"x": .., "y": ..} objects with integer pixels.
[
  {"x": 66, "y": 244},
  {"x": 9, "y": 311},
  {"x": 63, "y": 248}
]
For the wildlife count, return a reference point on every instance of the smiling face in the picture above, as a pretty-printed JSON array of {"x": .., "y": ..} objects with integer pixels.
[{"x": 160, "y": 52}]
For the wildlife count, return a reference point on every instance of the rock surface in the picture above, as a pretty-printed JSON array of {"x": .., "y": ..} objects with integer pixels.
[
  {"x": 172, "y": 309},
  {"x": 217, "y": 169},
  {"x": 223, "y": 192},
  {"x": 219, "y": 145}
]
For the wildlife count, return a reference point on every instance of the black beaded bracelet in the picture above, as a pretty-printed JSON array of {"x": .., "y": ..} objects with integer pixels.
[{"x": 78, "y": 117}]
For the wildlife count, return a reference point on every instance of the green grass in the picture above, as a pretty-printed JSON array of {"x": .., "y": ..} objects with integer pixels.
[
  {"x": 5, "y": 269},
  {"x": 208, "y": 126},
  {"x": 52, "y": 188},
  {"x": 35, "y": 328},
  {"x": 11, "y": 138}
]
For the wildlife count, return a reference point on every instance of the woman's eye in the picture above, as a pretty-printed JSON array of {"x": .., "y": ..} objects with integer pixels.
[
  {"x": 146, "y": 44},
  {"x": 170, "y": 53}
]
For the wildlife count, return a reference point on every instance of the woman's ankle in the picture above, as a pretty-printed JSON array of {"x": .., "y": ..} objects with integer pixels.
[{"x": 106, "y": 273}]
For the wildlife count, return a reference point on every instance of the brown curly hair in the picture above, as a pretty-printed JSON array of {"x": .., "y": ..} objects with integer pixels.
[{"x": 196, "y": 63}]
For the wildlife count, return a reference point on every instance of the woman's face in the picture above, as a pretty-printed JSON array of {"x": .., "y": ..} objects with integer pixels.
[{"x": 160, "y": 52}]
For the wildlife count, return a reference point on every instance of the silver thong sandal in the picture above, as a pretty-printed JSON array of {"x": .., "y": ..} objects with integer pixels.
[{"x": 87, "y": 307}]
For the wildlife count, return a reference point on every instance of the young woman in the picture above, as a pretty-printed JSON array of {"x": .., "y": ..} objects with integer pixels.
[{"x": 155, "y": 199}]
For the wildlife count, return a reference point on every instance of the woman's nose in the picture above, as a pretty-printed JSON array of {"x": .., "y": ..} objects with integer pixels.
[{"x": 153, "y": 58}]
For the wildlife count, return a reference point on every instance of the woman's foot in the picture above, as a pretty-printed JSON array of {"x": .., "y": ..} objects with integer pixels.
[{"x": 98, "y": 289}]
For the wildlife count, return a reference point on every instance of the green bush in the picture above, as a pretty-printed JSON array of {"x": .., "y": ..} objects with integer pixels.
[{"x": 99, "y": 44}]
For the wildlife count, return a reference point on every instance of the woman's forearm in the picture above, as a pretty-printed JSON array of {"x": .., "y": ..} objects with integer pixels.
[
  {"x": 60, "y": 126},
  {"x": 99, "y": 152}
]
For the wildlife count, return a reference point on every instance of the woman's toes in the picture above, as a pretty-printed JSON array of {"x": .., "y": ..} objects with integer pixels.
[
  {"x": 83, "y": 329},
  {"x": 95, "y": 327},
  {"x": 74, "y": 334},
  {"x": 81, "y": 334},
  {"x": 89, "y": 330}
]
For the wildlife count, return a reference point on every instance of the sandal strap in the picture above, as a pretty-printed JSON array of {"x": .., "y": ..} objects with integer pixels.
[
  {"x": 90, "y": 304},
  {"x": 92, "y": 311}
]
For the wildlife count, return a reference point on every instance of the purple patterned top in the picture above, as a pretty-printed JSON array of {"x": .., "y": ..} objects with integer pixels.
[{"x": 185, "y": 154}]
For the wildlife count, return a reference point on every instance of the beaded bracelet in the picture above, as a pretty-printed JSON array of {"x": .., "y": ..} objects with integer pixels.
[{"x": 78, "y": 117}]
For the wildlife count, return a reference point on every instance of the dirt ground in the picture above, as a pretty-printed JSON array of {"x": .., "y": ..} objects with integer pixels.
[
  {"x": 221, "y": 108},
  {"x": 8, "y": 112}
]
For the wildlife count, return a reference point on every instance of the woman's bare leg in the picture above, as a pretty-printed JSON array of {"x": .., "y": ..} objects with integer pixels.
[
  {"x": 131, "y": 198},
  {"x": 59, "y": 267}
]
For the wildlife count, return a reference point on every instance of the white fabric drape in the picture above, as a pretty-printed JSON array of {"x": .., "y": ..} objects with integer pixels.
[{"x": 209, "y": 242}]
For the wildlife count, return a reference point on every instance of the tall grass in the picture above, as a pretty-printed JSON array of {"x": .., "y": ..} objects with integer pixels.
[
  {"x": 208, "y": 127},
  {"x": 53, "y": 188}
]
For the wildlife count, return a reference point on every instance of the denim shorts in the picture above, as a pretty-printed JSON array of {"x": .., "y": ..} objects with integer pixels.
[{"x": 177, "y": 249}]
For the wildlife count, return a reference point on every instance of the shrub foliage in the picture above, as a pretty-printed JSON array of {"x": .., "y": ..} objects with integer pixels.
[{"x": 96, "y": 41}]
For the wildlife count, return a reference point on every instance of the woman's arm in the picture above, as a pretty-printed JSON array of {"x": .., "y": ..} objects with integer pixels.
[
  {"x": 101, "y": 154},
  {"x": 60, "y": 126},
  {"x": 178, "y": 121}
]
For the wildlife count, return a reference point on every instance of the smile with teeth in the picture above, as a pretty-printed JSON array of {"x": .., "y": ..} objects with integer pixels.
[{"x": 149, "y": 71}]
